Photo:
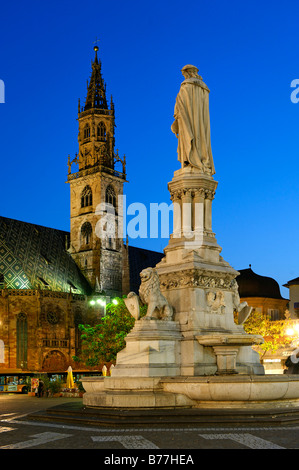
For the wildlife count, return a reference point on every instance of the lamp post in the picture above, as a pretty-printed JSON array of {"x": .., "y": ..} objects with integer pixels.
[
  {"x": 102, "y": 302},
  {"x": 293, "y": 331},
  {"x": 96, "y": 302}
]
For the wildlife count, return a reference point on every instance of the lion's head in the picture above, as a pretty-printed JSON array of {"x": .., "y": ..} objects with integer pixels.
[{"x": 146, "y": 274}]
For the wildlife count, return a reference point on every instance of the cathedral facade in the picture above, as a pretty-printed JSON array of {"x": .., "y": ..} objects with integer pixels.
[{"x": 43, "y": 297}]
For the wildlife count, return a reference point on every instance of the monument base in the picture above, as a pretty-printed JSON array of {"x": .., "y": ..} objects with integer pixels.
[
  {"x": 130, "y": 392},
  {"x": 217, "y": 392}
]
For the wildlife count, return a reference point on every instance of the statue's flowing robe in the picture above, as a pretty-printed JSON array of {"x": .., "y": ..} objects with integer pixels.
[{"x": 192, "y": 124}]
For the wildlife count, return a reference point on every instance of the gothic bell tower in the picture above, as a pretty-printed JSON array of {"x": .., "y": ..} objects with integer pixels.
[{"x": 97, "y": 183}]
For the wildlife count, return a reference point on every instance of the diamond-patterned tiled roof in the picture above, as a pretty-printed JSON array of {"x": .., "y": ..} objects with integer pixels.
[{"x": 33, "y": 256}]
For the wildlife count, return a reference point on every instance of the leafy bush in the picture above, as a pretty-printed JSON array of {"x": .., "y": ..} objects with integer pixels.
[
  {"x": 102, "y": 342},
  {"x": 55, "y": 386}
]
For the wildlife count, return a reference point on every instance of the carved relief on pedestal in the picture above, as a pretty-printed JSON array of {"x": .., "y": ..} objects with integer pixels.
[
  {"x": 196, "y": 278},
  {"x": 209, "y": 194},
  {"x": 176, "y": 196},
  {"x": 215, "y": 302}
]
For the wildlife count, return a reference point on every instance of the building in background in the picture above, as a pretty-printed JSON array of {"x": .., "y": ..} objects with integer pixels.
[
  {"x": 42, "y": 297},
  {"x": 262, "y": 293},
  {"x": 293, "y": 287}
]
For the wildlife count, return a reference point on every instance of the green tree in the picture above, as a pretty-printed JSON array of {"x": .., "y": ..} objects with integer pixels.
[
  {"x": 102, "y": 342},
  {"x": 273, "y": 332}
]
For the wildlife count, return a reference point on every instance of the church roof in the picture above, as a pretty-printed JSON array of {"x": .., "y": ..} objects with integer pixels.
[
  {"x": 33, "y": 256},
  {"x": 292, "y": 282},
  {"x": 253, "y": 285},
  {"x": 139, "y": 259}
]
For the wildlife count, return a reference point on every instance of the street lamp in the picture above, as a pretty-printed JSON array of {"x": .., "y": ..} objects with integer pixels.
[{"x": 290, "y": 331}]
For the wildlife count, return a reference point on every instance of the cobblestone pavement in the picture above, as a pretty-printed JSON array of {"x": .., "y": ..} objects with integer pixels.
[{"x": 18, "y": 433}]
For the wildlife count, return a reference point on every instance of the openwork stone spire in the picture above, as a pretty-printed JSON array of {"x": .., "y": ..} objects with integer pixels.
[{"x": 96, "y": 89}]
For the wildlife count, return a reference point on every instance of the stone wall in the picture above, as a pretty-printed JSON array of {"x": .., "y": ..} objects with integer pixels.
[{"x": 39, "y": 328}]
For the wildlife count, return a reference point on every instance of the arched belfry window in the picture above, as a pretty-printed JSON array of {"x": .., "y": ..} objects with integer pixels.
[
  {"x": 86, "y": 233},
  {"x": 86, "y": 197},
  {"x": 111, "y": 196},
  {"x": 101, "y": 131},
  {"x": 22, "y": 340},
  {"x": 86, "y": 132}
]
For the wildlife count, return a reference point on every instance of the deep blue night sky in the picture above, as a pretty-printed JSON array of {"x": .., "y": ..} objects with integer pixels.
[{"x": 247, "y": 54}]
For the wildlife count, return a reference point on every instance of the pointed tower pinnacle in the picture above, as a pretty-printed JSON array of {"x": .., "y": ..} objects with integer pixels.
[{"x": 96, "y": 89}]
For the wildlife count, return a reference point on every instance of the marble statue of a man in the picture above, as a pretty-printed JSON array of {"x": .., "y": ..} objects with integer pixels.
[{"x": 192, "y": 122}]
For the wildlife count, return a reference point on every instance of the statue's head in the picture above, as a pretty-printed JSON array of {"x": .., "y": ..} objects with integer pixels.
[{"x": 190, "y": 71}]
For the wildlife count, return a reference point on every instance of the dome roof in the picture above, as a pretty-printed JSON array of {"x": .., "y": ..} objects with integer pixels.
[
  {"x": 293, "y": 282},
  {"x": 253, "y": 285}
]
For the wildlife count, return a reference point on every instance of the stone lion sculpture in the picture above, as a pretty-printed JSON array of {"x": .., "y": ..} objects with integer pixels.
[{"x": 149, "y": 294}]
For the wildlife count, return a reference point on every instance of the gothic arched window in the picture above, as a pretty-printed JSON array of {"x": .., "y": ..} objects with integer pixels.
[
  {"x": 101, "y": 131},
  {"x": 2, "y": 349},
  {"x": 22, "y": 340},
  {"x": 86, "y": 197},
  {"x": 111, "y": 196},
  {"x": 86, "y": 132},
  {"x": 86, "y": 233}
]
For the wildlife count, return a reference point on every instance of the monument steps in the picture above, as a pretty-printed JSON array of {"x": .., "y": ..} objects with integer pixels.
[{"x": 76, "y": 413}]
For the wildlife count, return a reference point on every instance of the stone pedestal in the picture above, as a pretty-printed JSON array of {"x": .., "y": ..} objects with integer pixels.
[
  {"x": 192, "y": 193},
  {"x": 199, "y": 284},
  {"x": 226, "y": 357},
  {"x": 152, "y": 350}
]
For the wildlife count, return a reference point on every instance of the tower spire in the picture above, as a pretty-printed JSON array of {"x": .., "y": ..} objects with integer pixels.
[
  {"x": 96, "y": 89},
  {"x": 96, "y": 55}
]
